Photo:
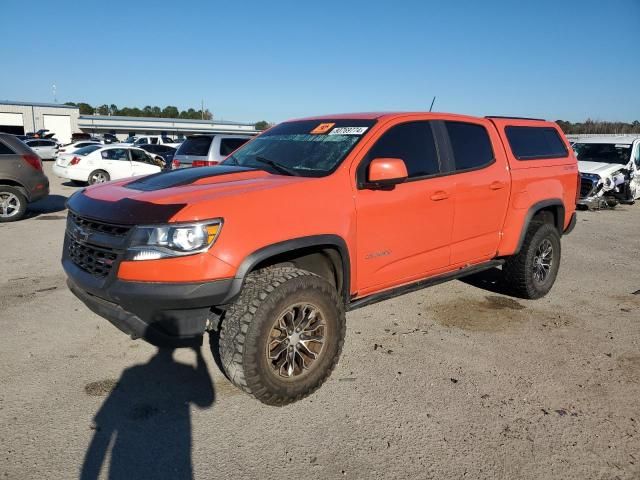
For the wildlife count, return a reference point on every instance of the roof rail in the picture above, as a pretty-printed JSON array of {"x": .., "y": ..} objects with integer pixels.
[{"x": 515, "y": 118}]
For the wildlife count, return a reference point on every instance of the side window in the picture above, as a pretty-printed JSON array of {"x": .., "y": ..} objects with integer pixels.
[
  {"x": 140, "y": 141},
  {"x": 154, "y": 140},
  {"x": 4, "y": 150},
  {"x": 535, "y": 143},
  {"x": 115, "y": 154},
  {"x": 470, "y": 144},
  {"x": 637, "y": 157},
  {"x": 413, "y": 143},
  {"x": 139, "y": 156},
  {"x": 228, "y": 145}
]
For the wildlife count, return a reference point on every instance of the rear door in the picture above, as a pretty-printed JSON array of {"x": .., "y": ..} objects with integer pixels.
[
  {"x": 482, "y": 187},
  {"x": 404, "y": 233}
]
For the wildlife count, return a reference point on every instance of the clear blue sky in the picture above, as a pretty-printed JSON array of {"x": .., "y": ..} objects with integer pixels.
[{"x": 273, "y": 60}]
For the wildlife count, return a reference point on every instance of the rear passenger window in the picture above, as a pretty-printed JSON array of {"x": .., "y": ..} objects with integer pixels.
[
  {"x": 535, "y": 143},
  {"x": 471, "y": 145},
  {"x": 412, "y": 142},
  {"x": 228, "y": 145},
  {"x": 4, "y": 150}
]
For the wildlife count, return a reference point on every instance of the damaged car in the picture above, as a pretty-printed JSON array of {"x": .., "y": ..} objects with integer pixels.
[{"x": 609, "y": 170}]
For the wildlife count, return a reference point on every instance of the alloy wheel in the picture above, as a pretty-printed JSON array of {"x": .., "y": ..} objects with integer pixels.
[
  {"x": 296, "y": 340},
  {"x": 542, "y": 261},
  {"x": 9, "y": 205}
]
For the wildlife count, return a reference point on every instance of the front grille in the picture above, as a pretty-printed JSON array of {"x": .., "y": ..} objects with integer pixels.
[
  {"x": 91, "y": 259},
  {"x": 96, "y": 226},
  {"x": 586, "y": 187}
]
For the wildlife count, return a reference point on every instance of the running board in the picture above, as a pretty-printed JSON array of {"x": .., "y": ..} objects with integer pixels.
[{"x": 420, "y": 284}]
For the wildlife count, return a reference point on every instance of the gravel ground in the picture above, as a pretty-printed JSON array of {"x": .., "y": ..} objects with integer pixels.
[{"x": 453, "y": 381}]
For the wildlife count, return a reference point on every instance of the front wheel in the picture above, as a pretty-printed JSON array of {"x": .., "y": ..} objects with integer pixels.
[
  {"x": 533, "y": 270},
  {"x": 282, "y": 337}
]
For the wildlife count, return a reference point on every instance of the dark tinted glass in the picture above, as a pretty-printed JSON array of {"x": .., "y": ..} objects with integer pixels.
[
  {"x": 228, "y": 145},
  {"x": 115, "y": 154},
  {"x": 471, "y": 145},
  {"x": 4, "y": 150},
  {"x": 195, "y": 146},
  {"x": 413, "y": 143},
  {"x": 533, "y": 143}
]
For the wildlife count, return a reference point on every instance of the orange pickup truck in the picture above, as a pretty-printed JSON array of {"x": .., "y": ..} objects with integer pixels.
[{"x": 315, "y": 217}]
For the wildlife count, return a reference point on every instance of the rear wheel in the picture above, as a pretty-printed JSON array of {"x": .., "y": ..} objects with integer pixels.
[
  {"x": 98, "y": 176},
  {"x": 282, "y": 337},
  {"x": 532, "y": 272},
  {"x": 13, "y": 204}
]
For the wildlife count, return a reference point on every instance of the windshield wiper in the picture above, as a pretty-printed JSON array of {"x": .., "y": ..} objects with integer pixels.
[{"x": 277, "y": 166}]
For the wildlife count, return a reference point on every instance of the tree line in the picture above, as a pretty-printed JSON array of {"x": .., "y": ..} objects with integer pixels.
[
  {"x": 155, "y": 112},
  {"x": 598, "y": 126}
]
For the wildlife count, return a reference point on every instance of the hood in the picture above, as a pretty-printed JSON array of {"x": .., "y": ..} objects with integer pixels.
[
  {"x": 160, "y": 197},
  {"x": 599, "y": 168}
]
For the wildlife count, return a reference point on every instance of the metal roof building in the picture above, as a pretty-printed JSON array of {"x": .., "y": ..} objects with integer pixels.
[{"x": 19, "y": 118}]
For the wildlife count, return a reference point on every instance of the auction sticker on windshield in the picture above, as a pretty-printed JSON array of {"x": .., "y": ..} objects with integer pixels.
[
  {"x": 348, "y": 131},
  {"x": 322, "y": 128}
]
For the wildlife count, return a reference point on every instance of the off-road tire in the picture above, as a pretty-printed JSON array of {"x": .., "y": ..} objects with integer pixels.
[
  {"x": 93, "y": 181},
  {"x": 518, "y": 269},
  {"x": 247, "y": 322},
  {"x": 22, "y": 203}
]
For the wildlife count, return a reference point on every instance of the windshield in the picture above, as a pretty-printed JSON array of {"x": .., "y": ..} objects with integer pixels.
[
  {"x": 87, "y": 150},
  {"x": 603, "y": 152},
  {"x": 195, "y": 146},
  {"x": 129, "y": 140},
  {"x": 309, "y": 148}
]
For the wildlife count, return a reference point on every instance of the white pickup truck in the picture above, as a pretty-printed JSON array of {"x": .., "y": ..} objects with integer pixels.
[
  {"x": 609, "y": 169},
  {"x": 156, "y": 140}
]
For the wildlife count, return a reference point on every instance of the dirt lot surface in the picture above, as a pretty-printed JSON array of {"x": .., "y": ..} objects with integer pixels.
[{"x": 454, "y": 381}]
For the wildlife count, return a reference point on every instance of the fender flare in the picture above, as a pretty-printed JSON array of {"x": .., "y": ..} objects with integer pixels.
[
  {"x": 535, "y": 208},
  {"x": 264, "y": 253}
]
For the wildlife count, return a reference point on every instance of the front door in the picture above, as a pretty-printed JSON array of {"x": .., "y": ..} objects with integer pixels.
[{"x": 404, "y": 233}]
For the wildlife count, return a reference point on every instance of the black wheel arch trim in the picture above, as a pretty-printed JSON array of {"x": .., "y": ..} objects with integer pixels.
[
  {"x": 314, "y": 241},
  {"x": 535, "y": 208}
]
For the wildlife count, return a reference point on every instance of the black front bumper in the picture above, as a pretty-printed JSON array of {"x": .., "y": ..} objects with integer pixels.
[{"x": 163, "y": 314}]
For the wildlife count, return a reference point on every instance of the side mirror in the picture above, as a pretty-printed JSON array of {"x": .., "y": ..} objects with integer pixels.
[{"x": 385, "y": 173}]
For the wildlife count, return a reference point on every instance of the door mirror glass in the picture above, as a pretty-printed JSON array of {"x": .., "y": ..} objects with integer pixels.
[{"x": 386, "y": 172}]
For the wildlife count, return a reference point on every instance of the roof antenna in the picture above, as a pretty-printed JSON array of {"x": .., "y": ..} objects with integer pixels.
[{"x": 432, "y": 102}]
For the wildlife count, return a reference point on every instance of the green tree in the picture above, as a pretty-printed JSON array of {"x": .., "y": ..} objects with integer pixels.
[
  {"x": 113, "y": 109},
  {"x": 103, "y": 110},
  {"x": 85, "y": 108},
  {"x": 262, "y": 125},
  {"x": 170, "y": 112}
]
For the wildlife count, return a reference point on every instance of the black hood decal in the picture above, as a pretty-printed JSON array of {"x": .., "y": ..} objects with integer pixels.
[
  {"x": 185, "y": 176},
  {"x": 126, "y": 211}
]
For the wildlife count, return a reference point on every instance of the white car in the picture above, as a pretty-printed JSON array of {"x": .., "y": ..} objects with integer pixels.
[
  {"x": 99, "y": 164},
  {"x": 609, "y": 169},
  {"x": 72, "y": 148},
  {"x": 45, "y": 148}
]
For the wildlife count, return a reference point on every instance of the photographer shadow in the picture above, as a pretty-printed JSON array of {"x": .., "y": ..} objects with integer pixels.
[{"x": 145, "y": 422}]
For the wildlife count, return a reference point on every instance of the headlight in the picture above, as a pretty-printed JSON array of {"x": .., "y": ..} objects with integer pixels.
[
  {"x": 594, "y": 177},
  {"x": 161, "y": 241}
]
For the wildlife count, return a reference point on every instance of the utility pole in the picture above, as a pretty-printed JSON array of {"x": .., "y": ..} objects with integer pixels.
[
  {"x": 55, "y": 98},
  {"x": 202, "y": 109}
]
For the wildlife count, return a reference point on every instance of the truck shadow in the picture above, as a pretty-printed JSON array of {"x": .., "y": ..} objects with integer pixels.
[
  {"x": 144, "y": 425},
  {"x": 490, "y": 280}
]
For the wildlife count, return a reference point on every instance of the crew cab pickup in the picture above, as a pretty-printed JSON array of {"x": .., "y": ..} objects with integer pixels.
[{"x": 315, "y": 217}]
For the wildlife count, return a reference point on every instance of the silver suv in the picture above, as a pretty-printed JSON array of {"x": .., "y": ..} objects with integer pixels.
[
  {"x": 206, "y": 150},
  {"x": 22, "y": 180}
]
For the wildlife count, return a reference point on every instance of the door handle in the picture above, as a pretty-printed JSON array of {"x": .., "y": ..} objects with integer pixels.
[
  {"x": 496, "y": 185},
  {"x": 439, "y": 195}
]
